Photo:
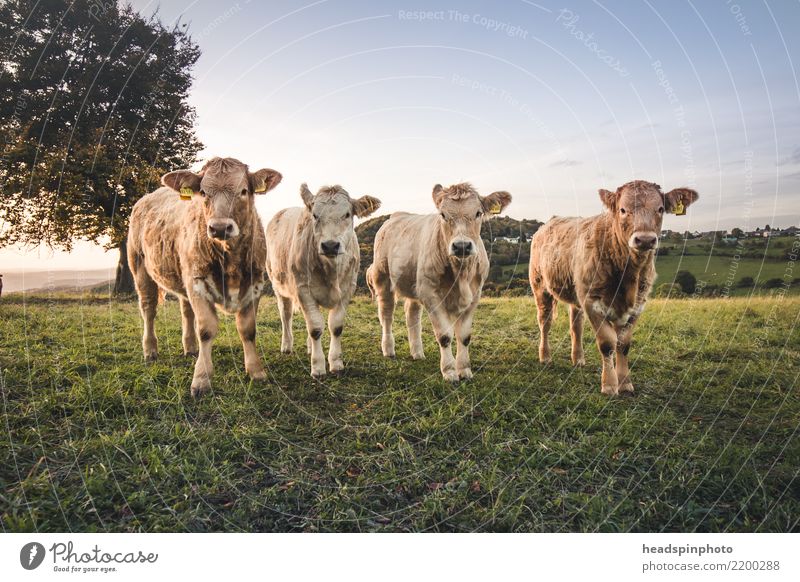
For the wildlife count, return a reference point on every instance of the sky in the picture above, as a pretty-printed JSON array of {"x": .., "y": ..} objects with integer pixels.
[{"x": 549, "y": 101}]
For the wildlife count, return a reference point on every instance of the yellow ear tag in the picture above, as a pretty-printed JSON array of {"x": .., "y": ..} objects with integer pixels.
[
  {"x": 495, "y": 208},
  {"x": 260, "y": 190},
  {"x": 186, "y": 193},
  {"x": 680, "y": 209}
]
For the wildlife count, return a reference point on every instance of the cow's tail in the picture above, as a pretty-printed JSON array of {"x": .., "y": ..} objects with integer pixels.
[{"x": 370, "y": 282}]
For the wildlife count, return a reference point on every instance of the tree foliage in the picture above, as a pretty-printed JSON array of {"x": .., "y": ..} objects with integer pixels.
[{"x": 93, "y": 108}]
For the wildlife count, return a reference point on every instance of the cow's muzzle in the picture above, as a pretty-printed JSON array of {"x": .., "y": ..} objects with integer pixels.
[
  {"x": 330, "y": 248},
  {"x": 643, "y": 241},
  {"x": 462, "y": 248},
  {"x": 222, "y": 229}
]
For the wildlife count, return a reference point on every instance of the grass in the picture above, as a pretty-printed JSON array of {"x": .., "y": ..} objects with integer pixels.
[
  {"x": 93, "y": 439},
  {"x": 717, "y": 270}
]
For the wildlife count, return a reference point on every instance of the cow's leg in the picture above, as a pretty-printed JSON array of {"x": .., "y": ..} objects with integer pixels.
[
  {"x": 623, "y": 347},
  {"x": 189, "y": 335},
  {"x": 443, "y": 328},
  {"x": 246, "y": 325},
  {"x": 576, "y": 333},
  {"x": 148, "y": 303},
  {"x": 413, "y": 309},
  {"x": 336, "y": 327},
  {"x": 205, "y": 315},
  {"x": 464, "y": 335},
  {"x": 606, "y": 338},
  {"x": 386, "y": 301},
  {"x": 285, "y": 309},
  {"x": 315, "y": 323},
  {"x": 545, "y": 307}
]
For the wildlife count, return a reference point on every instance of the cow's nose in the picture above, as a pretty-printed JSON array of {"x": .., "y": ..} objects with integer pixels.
[
  {"x": 645, "y": 242},
  {"x": 221, "y": 229},
  {"x": 330, "y": 247},
  {"x": 462, "y": 248}
]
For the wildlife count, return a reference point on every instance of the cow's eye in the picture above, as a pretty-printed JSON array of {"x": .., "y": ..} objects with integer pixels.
[
  {"x": 315, "y": 217},
  {"x": 244, "y": 192},
  {"x": 661, "y": 210},
  {"x": 622, "y": 211},
  {"x": 202, "y": 192},
  {"x": 478, "y": 214},
  {"x": 347, "y": 215},
  {"x": 443, "y": 216}
]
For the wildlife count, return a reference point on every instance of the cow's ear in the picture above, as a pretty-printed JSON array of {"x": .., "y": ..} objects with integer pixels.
[
  {"x": 679, "y": 198},
  {"x": 307, "y": 196},
  {"x": 365, "y": 206},
  {"x": 496, "y": 202},
  {"x": 182, "y": 180},
  {"x": 264, "y": 180},
  {"x": 609, "y": 199},
  {"x": 437, "y": 194}
]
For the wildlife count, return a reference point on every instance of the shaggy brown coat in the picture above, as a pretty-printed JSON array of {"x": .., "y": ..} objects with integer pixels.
[
  {"x": 171, "y": 246},
  {"x": 437, "y": 261},
  {"x": 602, "y": 266}
]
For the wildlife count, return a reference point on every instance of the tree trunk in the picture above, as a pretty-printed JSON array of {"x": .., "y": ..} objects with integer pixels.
[{"x": 123, "y": 284}]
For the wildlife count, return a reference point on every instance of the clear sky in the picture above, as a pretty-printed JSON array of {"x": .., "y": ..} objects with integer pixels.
[{"x": 549, "y": 101}]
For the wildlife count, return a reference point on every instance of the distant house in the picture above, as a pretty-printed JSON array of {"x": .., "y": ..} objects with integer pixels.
[
  {"x": 729, "y": 240},
  {"x": 509, "y": 239},
  {"x": 791, "y": 231}
]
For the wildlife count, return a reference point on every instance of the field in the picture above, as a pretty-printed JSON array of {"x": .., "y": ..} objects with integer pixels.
[
  {"x": 717, "y": 270},
  {"x": 93, "y": 439}
]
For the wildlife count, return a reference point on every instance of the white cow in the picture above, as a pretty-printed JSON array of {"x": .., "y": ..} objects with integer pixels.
[
  {"x": 313, "y": 261},
  {"x": 437, "y": 261}
]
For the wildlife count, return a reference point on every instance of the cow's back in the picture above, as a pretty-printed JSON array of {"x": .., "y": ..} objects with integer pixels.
[
  {"x": 161, "y": 224},
  {"x": 401, "y": 244},
  {"x": 283, "y": 243},
  {"x": 557, "y": 249}
]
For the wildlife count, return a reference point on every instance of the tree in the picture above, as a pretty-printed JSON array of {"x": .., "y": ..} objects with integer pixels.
[
  {"x": 737, "y": 232},
  {"x": 93, "y": 109},
  {"x": 687, "y": 281}
]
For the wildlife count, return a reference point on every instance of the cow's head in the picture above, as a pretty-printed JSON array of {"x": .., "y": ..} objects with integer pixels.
[
  {"x": 638, "y": 209},
  {"x": 332, "y": 212},
  {"x": 226, "y": 188},
  {"x": 462, "y": 210}
]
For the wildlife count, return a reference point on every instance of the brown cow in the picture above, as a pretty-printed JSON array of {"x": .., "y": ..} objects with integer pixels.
[
  {"x": 603, "y": 266},
  {"x": 437, "y": 261},
  {"x": 206, "y": 245}
]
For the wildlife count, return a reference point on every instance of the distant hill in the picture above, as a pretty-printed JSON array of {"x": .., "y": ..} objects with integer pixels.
[{"x": 55, "y": 281}]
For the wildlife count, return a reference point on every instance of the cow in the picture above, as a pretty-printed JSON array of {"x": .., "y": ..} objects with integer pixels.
[
  {"x": 436, "y": 261},
  {"x": 199, "y": 237},
  {"x": 602, "y": 266},
  {"x": 313, "y": 262}
]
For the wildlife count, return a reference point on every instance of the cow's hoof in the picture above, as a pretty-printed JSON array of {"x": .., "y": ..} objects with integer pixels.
[
  {"x": 579, "y": 363},
  {"x": 151, "y": 357},
  {"x": 626, "y": 387},
  {"x": 317, "y": 374},
  {"x": 191, "y": 354},
  {"x": 286, "y": 350},
  {"x": 258, "y": 374},
  {"x": 419, "y": 356},
  {"x": 465, "y": 374},
  {"x": 336, "y": 367},
  {"x": 609, "y": 390},
  {"x": 545, "y": 359},
  {"x": 450, "y": 376},
  {"x": 199, "y": 389}
]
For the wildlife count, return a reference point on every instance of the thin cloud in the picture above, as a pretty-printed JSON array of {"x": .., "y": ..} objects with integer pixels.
[{"x": 565, "y": 164}]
